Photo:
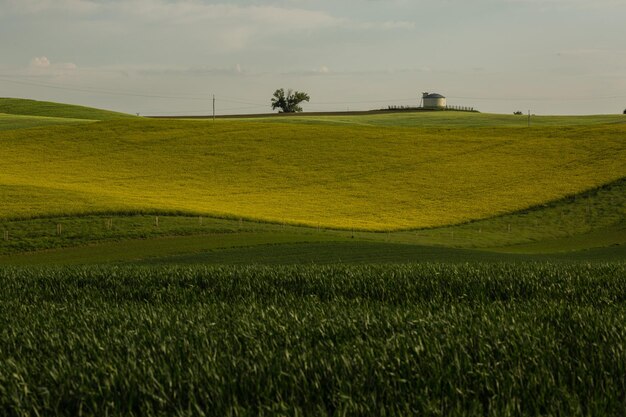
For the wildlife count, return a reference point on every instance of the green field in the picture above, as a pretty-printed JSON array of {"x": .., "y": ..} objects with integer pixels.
[
  {"x": 573, "y": 228},
  {"x": 431, "y": 264},
  {"x": 400, "y": 187},
  {"x": 450, "y": 119},
  {"x": 428, "y": 340},
  {"x": 362, "y": 177},
  {"x": 23, "y": 107},
  {"x": 11, "y": 122}
]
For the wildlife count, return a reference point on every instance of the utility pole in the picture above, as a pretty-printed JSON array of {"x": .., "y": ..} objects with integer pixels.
[
  {"x": 528, "y": 118},
  {"x": 213, "y": 107}
]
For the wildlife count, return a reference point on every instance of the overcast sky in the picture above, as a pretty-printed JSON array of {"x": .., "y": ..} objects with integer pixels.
[{"x": 169, "y": 57}]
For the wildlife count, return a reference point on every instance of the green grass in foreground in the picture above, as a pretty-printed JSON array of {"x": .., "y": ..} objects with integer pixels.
[
  {"x": 428, "y": 340},
  {"x": 24, "y": 107}
]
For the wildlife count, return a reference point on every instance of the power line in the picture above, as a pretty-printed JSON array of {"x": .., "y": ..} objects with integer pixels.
[
  {"x": 126, "y": 92},
  {"x": 263, "y": 105},
  {"x": 367, "y": 101},
  {"x": 101, "y": 91}
]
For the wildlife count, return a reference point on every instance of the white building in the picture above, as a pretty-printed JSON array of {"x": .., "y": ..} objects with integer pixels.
[{"x": 433, "y": 101}]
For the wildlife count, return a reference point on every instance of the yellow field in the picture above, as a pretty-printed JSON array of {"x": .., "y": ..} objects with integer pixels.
[{"x": 361, "y": 177}]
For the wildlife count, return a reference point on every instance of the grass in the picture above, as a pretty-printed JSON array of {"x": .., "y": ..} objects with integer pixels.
[
  {"x": 361, "y": 252},
  {"x": 431, "y": 340},
  {"x": 449, "y": 119},
  {"x": 23, "y": 107},
  {"x": 356, "y": 173},
  {"x": 138, "y": 250},
  {"x": 12, "y": 122},
  {"x": 267, "y": 248},
  {"x": 595, "y": 219},
  {"x": 521, "y": 315},
  {"x": 334, "y": 176}
]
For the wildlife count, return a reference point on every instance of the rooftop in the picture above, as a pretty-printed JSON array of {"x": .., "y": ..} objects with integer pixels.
[{"x": 432, "y": 95}]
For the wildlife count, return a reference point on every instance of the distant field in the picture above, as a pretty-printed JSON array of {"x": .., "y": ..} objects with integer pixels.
[
  {"x": 447, "y": 119},
  {"x": 23, "y": 107},
  {"x": 330, "y": 175},
  {"x": 590, "y": 226}
]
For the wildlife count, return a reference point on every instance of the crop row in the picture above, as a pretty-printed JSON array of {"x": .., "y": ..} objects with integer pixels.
[{"x": 490, "y": 339}]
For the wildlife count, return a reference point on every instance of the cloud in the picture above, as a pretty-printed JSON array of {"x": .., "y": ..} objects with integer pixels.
[
  {"x": 586, "y": 4},
  {"x": 43, "y": 66},
  {"x": 235, "y": 70},
  {"x": 185, "y": 11},
  {"x": 40, "y": 62},
  {"x": 239, "y": 22},
  {"x": 39, "y": 6},
  {"x": 588, "y": 52},
  {"x": 222, "y": 26},
  {"x": 386, "y": 25}
]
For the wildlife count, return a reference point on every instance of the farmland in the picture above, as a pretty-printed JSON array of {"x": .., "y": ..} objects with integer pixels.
[
  {"x": 399, "y": 264},
  {"x": 444, "y": 179},
  {"x": 577, "y": 225},
  {"x": 429, "y": 339},
  {"x": 326, "y": 175},
  {"x": 23, "y": 107}
]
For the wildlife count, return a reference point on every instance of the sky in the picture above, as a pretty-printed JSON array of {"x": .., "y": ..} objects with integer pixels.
[{"x": 164, "y": 57}]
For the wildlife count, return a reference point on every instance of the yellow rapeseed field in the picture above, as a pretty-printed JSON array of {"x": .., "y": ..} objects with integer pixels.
[{"x": 362, "y": 177}]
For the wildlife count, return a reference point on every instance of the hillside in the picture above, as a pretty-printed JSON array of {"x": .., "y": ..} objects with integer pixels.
[
  {"x": 24, "y": 107},
  {"x": 447, "y": 119},
  {"x": 12, "y": 121},
  {"x": 587, "y": 226},
  {"x": 329, "y": 175}
]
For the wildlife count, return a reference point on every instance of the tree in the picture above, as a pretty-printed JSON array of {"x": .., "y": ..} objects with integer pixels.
[
  {"x": 624, "y": 111},
  {"x": 289, "y": 103}
]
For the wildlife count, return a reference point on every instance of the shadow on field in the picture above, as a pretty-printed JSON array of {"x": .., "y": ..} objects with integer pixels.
[{"x": 369, "y": 252}]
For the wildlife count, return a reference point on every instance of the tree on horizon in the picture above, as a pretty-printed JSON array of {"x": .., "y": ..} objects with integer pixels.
[{"x": 290, "y": 102}]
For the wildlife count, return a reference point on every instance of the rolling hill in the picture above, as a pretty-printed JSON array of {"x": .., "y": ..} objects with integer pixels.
[
  {"x": 24, "y": 107},
  {"x": 13, "y": 121},
  {"x": 588, "y": 226},
  {"x": 323, "y": 174}
]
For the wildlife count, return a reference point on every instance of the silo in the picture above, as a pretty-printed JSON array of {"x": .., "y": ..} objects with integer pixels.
[{"x": 433, "y": 101}]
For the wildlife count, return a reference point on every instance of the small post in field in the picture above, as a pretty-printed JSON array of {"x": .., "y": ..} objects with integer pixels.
[
  {"x": 109, "y": 224},
  {"x": 200, "y": 220},
  {"x": 6, "y": 235},
  {"x": 156, "y": 221},
  {"x": 509, "y": 228},
  {"x": 59, "y": 229}
]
